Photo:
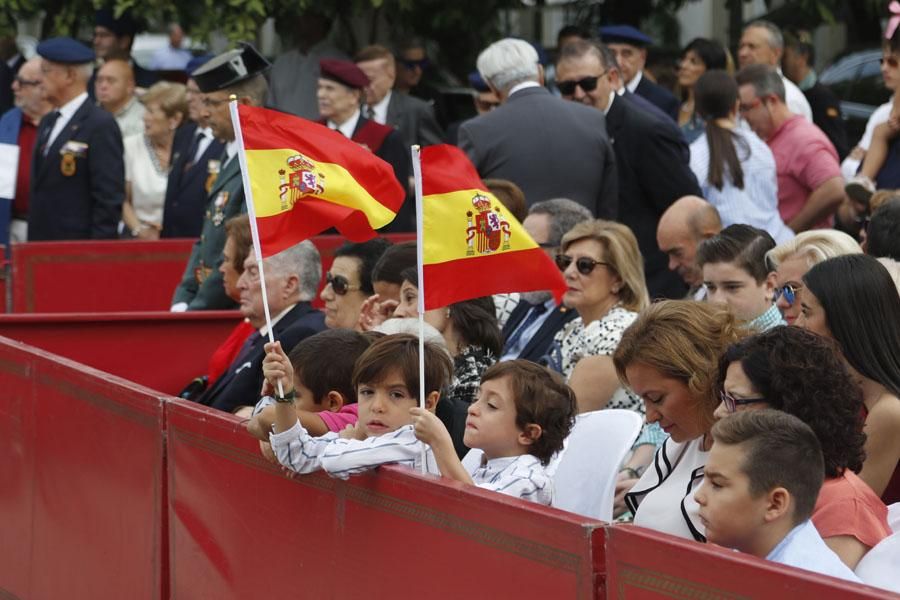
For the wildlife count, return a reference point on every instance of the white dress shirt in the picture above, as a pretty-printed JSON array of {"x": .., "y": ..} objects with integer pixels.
[
  {"x": 804, "y": 548},
  {"x": 66, "y": 112},
  {"x": 347, "y": 127},
  {"x": 381, "y": 109},
  {"x": 631, "y": 86},
  {"x": 519, "y": 476}
]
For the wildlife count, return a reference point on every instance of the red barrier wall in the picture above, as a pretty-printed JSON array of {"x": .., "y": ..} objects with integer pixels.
[
  {"x": 82, "y": 481},
  {"x": 112, "y": 275},
  {"x": 643, "y": 564},
  {"x": 160, "y": 350},
  {"x": 241, "y": 529}
]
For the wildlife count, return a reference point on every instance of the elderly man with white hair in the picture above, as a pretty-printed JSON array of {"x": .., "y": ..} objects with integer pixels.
[{"x": 548, "y": 147}]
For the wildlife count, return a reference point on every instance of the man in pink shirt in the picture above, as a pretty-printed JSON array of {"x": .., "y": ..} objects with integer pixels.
[{"x": 810, "y": 186}]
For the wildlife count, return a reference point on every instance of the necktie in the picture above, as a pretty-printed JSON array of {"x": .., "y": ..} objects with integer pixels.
[
  {"x": 370, "y": 113},
  {"x": 199, "y": 136},
  {"x": 531, "y": 317},
  {"x": 49, "y": 123}
]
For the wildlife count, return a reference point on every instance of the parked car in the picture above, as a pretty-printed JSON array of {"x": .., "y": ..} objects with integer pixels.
[{"x": 856, "y": 80}]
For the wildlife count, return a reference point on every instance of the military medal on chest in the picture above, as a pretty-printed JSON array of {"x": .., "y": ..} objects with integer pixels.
[
  {"x": 212, "y": 173},
  {"x": 68, "y": 153},
  {"x": 219, "y": 208}
]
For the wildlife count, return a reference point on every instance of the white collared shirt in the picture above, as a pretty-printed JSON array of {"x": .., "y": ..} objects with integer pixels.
[
  {"x": 612, "y": 97},
  {"x": 804, "y": 548},
  {"x": 302, "y": 453},
  {"x": 520, "y": 476},
  {"x": 263, "y": 331},
  {"x": 204, "y": 142},
  {"x": 231, "y": 149},
  {"x": 522, "y": 86},
  {"x": 381, "y": 109},
  {"x": 347, "y": 127},
  {"x": 635, "y": 81},
  {"x": 66, "y": 112}
]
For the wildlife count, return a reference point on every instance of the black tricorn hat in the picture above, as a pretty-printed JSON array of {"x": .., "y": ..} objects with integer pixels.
[{"x": 230, "y": 68}]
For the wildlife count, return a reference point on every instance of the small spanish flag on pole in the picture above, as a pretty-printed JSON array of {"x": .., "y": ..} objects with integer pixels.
[
  {"x": 470, "y": 245},
  {"x": 305, "y": 178}
]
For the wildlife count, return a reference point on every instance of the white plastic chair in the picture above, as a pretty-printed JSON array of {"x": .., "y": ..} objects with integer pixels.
[
  {"x": 880, "y": 566},
  {"x": 894, "y": 516},
  {"x": 586, "y": 469}
]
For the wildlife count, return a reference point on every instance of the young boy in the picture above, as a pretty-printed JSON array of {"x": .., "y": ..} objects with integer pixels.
[
  {"x": 735, "y": 274},
  {"x": 762, "y": 479},
  {"x": 322, "y": 369},
  {"x": 522, "y": 415},
  {"x": 386, "y": 380}
]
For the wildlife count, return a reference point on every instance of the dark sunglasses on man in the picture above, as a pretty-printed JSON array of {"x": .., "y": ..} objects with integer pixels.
[
  {"x": 789, "y": 291},
  {"x": 339, "y": 284},
  {"x": 584, "y": 264},
  {"x": 587, "y": 84},
  {"x": 731, "y": 403}
]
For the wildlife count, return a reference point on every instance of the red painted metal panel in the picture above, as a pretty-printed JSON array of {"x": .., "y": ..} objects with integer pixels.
[
  {"x": 112, "y": 275},
  {"x": 82, "y": 481},
  {"x": 160, "y": 350},
  {"x": 644, "y": 564},
  {"x": 241, "y": 529}
]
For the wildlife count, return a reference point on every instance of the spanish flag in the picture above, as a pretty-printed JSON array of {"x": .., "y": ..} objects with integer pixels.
[
  {"x": 471, "y": 245},
  {"x": 305, "y": 178}
]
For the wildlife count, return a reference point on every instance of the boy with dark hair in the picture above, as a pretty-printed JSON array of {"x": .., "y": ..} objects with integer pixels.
[
  {"x": 736, "y": 274},
  {"x": 522, "y": 416},
  {"x": 762, "y": 479},
  {"x": 322, "y": 368},
  {"x": 386, "y": 380}
]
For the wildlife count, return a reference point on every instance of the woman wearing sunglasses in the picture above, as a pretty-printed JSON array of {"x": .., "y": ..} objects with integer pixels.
[
  {"x": 668, "y": 357},
  {"x": 802, "y": 373},
  {"x": 791, "y": 260},
  {"x": 698, "y": 57},
  {"x": 853, "y": 300},
  {"x": 348, "y": 283},
  {"x": 604, "y": 273}
]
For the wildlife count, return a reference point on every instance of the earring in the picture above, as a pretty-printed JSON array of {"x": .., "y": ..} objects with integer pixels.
[{"x": 448, "y": 313}]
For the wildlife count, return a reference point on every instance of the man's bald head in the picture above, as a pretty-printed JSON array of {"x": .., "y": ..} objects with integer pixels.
[
  {"x": 686, "y": 223},
  {"x": 114, "y": 85}
]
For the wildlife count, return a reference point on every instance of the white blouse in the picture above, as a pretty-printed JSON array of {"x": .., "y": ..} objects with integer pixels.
[
  {"x": 148, "y": 180},
  {"x": 663, "y": 499}
]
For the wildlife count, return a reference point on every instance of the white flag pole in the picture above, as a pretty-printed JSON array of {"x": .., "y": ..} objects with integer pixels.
[
  {"x": 251, "y": 211},
  {"x": 417, "y": 174}
]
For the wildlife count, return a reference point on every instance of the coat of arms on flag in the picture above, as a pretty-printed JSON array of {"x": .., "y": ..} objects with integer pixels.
[
  {"x": 303, "y": 180},
  {"x": 484, "y": 235}
]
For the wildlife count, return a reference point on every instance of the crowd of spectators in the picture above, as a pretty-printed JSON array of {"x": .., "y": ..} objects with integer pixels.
[{"x": 728, "y": 278}]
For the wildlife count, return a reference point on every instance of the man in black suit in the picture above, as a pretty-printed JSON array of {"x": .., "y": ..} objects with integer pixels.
[
  {"x": 412, "y": 117},
  {"x": 630, "y": 48},
  {"x": 77, "y": 170},
  {"x": 534, "y": 321},
  {"x": 292, "y": 278},
  {"x": 548, "y": 147},
  {"x": 651, "y": 154},
  {"x": 113, "y": 38},
  {"x": 195, "y": 163}
]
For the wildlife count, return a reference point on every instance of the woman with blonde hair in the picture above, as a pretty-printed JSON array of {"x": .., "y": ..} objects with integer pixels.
[
  {"x": 147, "y": 158},
  {"x": 604, "y": 271},
  {"x": 669, "y": 357},
  {"x": 791, "y": 260}
]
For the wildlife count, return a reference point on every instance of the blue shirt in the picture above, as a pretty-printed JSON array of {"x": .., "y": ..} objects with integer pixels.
[
  {"x": 757, "y": 203},
  {"x": 804, "y": 548}
]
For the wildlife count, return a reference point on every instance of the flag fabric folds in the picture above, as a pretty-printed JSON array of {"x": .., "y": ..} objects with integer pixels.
[
  {"x": 473, "y": 246},
  {"x": 306, "y": 178}
]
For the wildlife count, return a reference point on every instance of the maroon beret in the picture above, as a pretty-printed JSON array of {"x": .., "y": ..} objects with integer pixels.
[{"x": 343, "y": 71}]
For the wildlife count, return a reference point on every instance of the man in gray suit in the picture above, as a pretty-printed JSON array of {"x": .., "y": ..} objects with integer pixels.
[
  {"x": 548, "y": 147},
  {"x": 411, "y": 116}
]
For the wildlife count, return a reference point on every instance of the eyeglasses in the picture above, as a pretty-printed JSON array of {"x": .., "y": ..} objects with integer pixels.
[
  {"x": 26, "y": 82},
  {"x": 789, "y": 291},
  {"x": 584, "y": 264},
  {"x": 862, "y": 223},
  {"x": 891, "y": 61},
  {"x": 587, "y": 84},
  {"x": 731, "y": 403},
  {"x": 422, "y": 63},
  {"x": 748, "y": 107},
  {"x": 339, "y": 284}
]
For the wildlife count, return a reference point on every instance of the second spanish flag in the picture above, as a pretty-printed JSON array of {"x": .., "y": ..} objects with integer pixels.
[{"x": 473, "y": 246}]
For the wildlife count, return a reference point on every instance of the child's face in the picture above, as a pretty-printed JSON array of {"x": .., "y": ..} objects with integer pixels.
[
  {"x": 736, "y": 288},
  {"x": 732, "y": 517},
  {"x": 384, "y": 406},
  {"x": 305, "y": 400},
  {"x": 491, "y": 423}
]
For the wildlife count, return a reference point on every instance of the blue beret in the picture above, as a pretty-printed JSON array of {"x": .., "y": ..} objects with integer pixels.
[
  {"x": 624, "y": 34},
  {"x": 65, "y": 50},
  {"x": 477, "y": 82},
  {"x": 196, "y": 62}
]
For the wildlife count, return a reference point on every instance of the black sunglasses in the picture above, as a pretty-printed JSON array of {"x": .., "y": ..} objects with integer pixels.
[
  {"x": 731, "y": 403},
  {"x": 588, "y": 84},
  {"x": 788, "y": 291},
  {"x": 584, "y": 264},
  {"x": 412, "y": 64},
  {"x": 339, "y": 284}
]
